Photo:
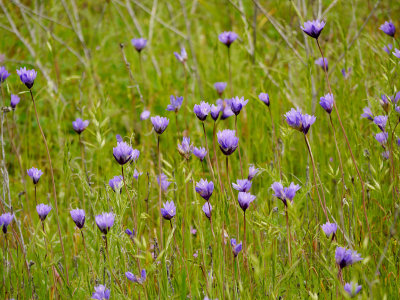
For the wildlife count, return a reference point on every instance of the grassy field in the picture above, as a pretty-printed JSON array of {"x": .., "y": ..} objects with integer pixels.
[{"x": 88, "y": 68}]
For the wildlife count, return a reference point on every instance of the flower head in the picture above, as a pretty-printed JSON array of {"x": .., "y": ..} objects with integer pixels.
[
  {"x": 367, "y": 113},
  {"x": 176, "y": 103},
  {"x": 226, "y": 108},
  {"x": 381, "y": 122},
  {"x": 159, "y": 124},
  {"x": 227, "y": 37},
  {"x": 122, "y": 153},
  {"x": 144, "y": 115},
  {"x": 43, "y": 210},
  {"x": 105, "y": 221},
  {"x": 214, "y": 111},
  {"x": 136, "y": 174},
  {"x": 116, "y": 183},
  {"x": 322, "y": 62},
  {"x": 200, "y": 152},
  {"x": 352, "y": 288},
  {"x": 242, "y": 185},
  {"x": 264, "y": 97},
  {"x": 326, "y": 102},
  {"x": 346, "y": 257},
  {"x": 14, "y": 101},
  {"x": 202, "y": 110},
  {"x": 3, "y": 74},
  {"x": 27, "y": 76},
  {"x": 290, "y": 191},
  {"x": 35, "y": 174},
  {"x": 130, "y": 233},
  {"x": 164, "y": 182},
  {"x": 245, "y": 199},
  {"x": 313, "y": 28},
  {"x": 205, "y": 188},
  {"x": 385, "y": 154},
  {"x": 5, "y": 220},
  {"x": 294, "y": 118},
  {"x": 182, "y": 57},
  {"x": 101, "y": 293},
  {"x": 139, "y": 44},
  {"x": 78, "y": 216},
  {"x": 220, "y": 87},
  {"x": 227, "y": 141},
  {"x": 388, "y": 48},
  {"x": 169, "y": 210},
  {"x": 253, "y": 171},
  {"x": 185, "y": 149},
  {"x": 396, "y": 53},
  {"x": 388, "y": 28},
  {"x": 135, "y": 278},
  {"x": 306, "y": 122},
  {"x": 346, "y": 73},
  {"x": 382, "y": 137},
  {"x": 285, "y": 194},
  {"x": 79, "y": 125},
  {"x": 236, "y": 248},
  {"x": 207, "y": 208},
  {"x": 237, "y": 104},
  {"x": 329, "y": 228}
]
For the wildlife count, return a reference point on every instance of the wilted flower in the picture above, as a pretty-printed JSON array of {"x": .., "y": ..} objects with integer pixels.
[
  {"x": 182, "y": 57},
  {"x": 144, "y": 115},
  {"x": 101, "y": 293},
  {"x": 329, "y": 228},
  {"x": 242, "y": 185},
  {"x": 227, "y": 141},
  {"x": 381, "y": 122},
  {"x": 14, "y": 101},
  {"x": 116, "y": 183},
  {"x": 367, "y": 114},
  {"x": 227, "y": 37},
  {"x": 136, "y": 174},
  {"x": 237, "y": 104},
  {"x": 396, "y": 53},
  {"x": 388, "y": 48},
  {"x": 185, "y": 149},
  {"x": 253, "y": 171},
  {"x": 264, "y": 97},
  {"x": 5, "y": 220},
  {"x": 79, "y": 125},
  {"x": 43, "y": 210},
  {"x": 220, "y": 87},
  {"x": 388, "y": 28},
  {"x": 139, "y": 44},
  {"x": 27, "y": 76},
  {"x": 35, "y": 174},
  {"x": 176, "y": 103},
  {"x": 285, "y": 194},
  {"x": 122, "y": 153},
  {"x": 200, "y": 152},
  {"x": 3, "y": 74},
  {"x": 382, "y": 137},
  {"x": 169, "y": 210},
  {"x": 245, "y": 199},
  {"x": 214, "y": 111},
  {"x": 236, "y": 248},
  {"x": 135, "y": 278},
  {"x": 205, "y": 188},
  {"x": 159, "y": 124},
  {"x": 322, "y": 62},
  {"x": 164, "y": 182},
  {"x": 352, "y": 288},
  {"x": 313, "y": 28},
  {"x": 202, "y": 110},
  {"x": 327, "y": 102},
  {"x": 105, "y": 221},
  {"x": 78, "y": 216},
  {"x": 207, "y": 208},
  {"x": 345, "y": 257}
]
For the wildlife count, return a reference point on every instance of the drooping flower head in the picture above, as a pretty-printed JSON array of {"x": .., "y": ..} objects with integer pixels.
[
  {"x": 5, "y": 220},
  {"x": 176, "y": 103},
  {"x": 388, "y": 48},
  {"x": 388, "y": 28},
  {"x": 382, "y": 137},
  {"x": 245, "y": 199},
  {"x": 322, "y": 62},
  {"x": 205, "y": 188},
  {"x": 122, "y": 153},
  {"x": 264, "y": 97},
  {"x": 144, "y": 115},
  {"x": 27, "y": 76},
  {"x": 242, "y": 185},
  {"x": 367, "y": 113},
  {"x": 3, "y": 74},
  {"x": 164, "y": 182},
  {"x": 253, "y": 171},
  {"x": 202, "y": 110},
  {"x": 136, "y": 174},
  {"x": 220, "y": 87},
  {"x": 200, "y": 152},
  {"x": 227, "y": 141},
  {"x": 35, "y": 174},
  {"x": 207, "y": 208},
  {"x": 43, "y": 210},
  {"x": 185, "y": 149},
  {"x": 326, "y": 102},
  {"x": 101, "y": 293},
  {"x": 346, "y": 257},
  {"x": 135, "y": 278},
  {"x": 329, "y": 228},
  {"x": 139, "y": 44},
  {"x": 78, "y": 216},
  {"x": 79, "y": 125},
  {"x": 313, "y": 28},
  {"x": 14, "y": 101},
  {"x": 227, "y": 37},
  {"x": 236, "y": 248},
  {"x": 214, "y": 111},
  {"x": 105, "y": 221},
  {"x": 116, "y": 183},
  {"x": 169, "y": 210},
  {"x": 381, "y": 121},
  {"x": 237, "y": 104},
  {"x": 285, "y": 194},
  {"x": 181, "y": 57},
  {"x": 352, "y": 288},
  {"x": 159, "y": 124},
  {"x": 396, "y": 53}
]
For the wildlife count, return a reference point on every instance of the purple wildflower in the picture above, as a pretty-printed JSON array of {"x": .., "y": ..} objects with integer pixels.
[
  {"x": 207, "y": 208},
  {"x": 5, "y": 220},
  {"x": 253, "y": 171},
  {"x": 202, "y": 110},
  {"x": 79, "y": 125},
  {"x": 214, "y": 111},
  {"x": 385, "y": 154},
  {"x": 226, "y": 108},
  {"x": 43, "y": 210},
  {"x": 159, "y": 124},
  {"x": 227, "y": 37},
  {"x": 294, "y": 118},
  {"x": 313, "y": 28},
  {"x": 352, "y": 289},
  {"x": 135, "y": 278},
  {"x": 329, "y": 228},
  {"x": 101, "y": 293},
  {"x": 388, "y": 28},
  {"x": 182, "y": 57},
  {"x": 78, "y": 216},
  {"x": 130, "y": 233},
  {"x": 205, "y": 188},
  {"x": 176, "y": 103},
  {"x": 136, "y": 174},
  {"x": 388, "y": 48},
  {"x": 322, "y": 62},
  {"x": 35, "y": 174},
  {"x": 346, "y": 257},
  {"x": 3, "y": 74},
  {"x": 236, "y": 248},
  {"x": 306, "y": 122},
  {"x": 122, "y": 153},
  {"x": 264, "y": 97},
  {"x": 346, "y": 74},
  {"x": 27, "y": 76},
  {"x": 116, "y": 183},
  {"x": 396, "y": 53},
  {"x": 139, "y": 44},
  {"x": 14, "y": 101},
  {"x": 245, "y": 199},
  {"x": 382, "y": 137},
  {"x": 285, "y": 194},
  {"x": 380, "y": 121},
  {"x": 164, "y": 182},
  {"x": 144, "y": 115},
  {"x": 242, "y": 185},
  {"x": 227, "y": 141},
  {"x": 105, "y": 221},
  {"x": 185, "y": 149},
  {"x": 367, "y": 113},
  {"x": 326, "y": 102},
  {"x": 200, "y": 153},
  {"x": 237, "y": 104},
  {"x": 220, "y": 87},
  {"x": 169, "y": 210}
]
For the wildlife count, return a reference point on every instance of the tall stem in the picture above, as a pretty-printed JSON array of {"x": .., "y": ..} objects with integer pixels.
[
  {"x": 288, "y": 236},
  {"x": 232, "y": 195},
  {"x": 244, "y": 234},
  {"x": 129, "y": 197},
  {"x": 208, "y": 152},
  {"x": 87, "y": 254},
  {"x": 216, "y": 159},
  {"x": 275, "y": 140},
  {"x": 230, "y": 73},
  {"x": 159, "y": 190},
  {"x": 240, "y": 156},
  {"x": 209, "y": 208},
  {"x": 54, "y": 186}
]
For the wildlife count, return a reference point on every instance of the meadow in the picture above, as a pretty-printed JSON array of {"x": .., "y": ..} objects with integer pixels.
[{"x": 233, "y": 149}]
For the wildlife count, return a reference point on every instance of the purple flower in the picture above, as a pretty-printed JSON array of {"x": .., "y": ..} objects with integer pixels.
[
  {"x": 101, "y": 293},
  {"x": 227, "y": 37},
  {"x": 227, "y": 141},
  {"x": 388, "y": 28},
  {"x": 169, "y": 210},
  {"x": 79, "y": 125},
  {"x": 3, "y": 74},
  {"x": 207, "y": 208},
  {"x": 144, "y": 115},
  {"x": 226, "y": 108},
  {"x": 352, "y": 288},
  {"x": 185, "y": 149},
  {"x": 396, "y": 53},
  {"x": 345, "y": 257},
  {"x": 327, "y": 102},
  {"x": 245, "y": 199},
  {"x": 294, "y": 118},
  {"x": 136, "y": 174},
  {"x": 14, "y": 101},
  {"x": 397, "y": 109},
  {"x": 220, "y": 87},
  {"x": 135, "y": 278},
  {"x": 176, "y": 103},
  {"x": 236, "y": 248},
  {"x": 35, "y": 174},
  {"x": 264, "y": 97},
  {"x": 200, "y": 153},
  {"x": 122, "y": 153},
  {"x": 43, "y": 210},
  {"x": 139, "y": 44},
  {"x": 290, "y": 191},
  {"x": 306, "y": 122},
  {"x": 346, "y": 74},
  {"x": 105, "y": 221},
  {"x": 329, "y": 228},
  {"x": 116, "y": 183},
  {"x": 164, "y": 182},
  {"x": 27, "y": 76},
  {"x": 385, "y": 154},
  {"x": 130, "y": 233},
  {"x": 384, "y": 102},
  {"x": 78, "y": 216},
  {"x": 395, "y": 98},
  {"x": 253, "y": 171},
  {"x": 388, "y": 48},
  {"x": 322, "y": 62},
  {"x": 367, "y": 114},
  {"x": 237, "y": 104},
  {"x": 214, "y": 111},
  {"x": 285, "y": 194},
  {"x": 382, "y": 137},
  {"x": 202, "y": 110},
  {"x": 193, "y": 230},
  {"x": 313, "y": 28},
  {"x": 118, "y": 138},
  {"x": 381, "y": 122},
  {"x": 242, "y": 185},
  {"x": 182, "y": 57},
  {"x": 5, "y": 220},
  {"x": 205, "y": 188},
  {"x": 159, "y": 124}
]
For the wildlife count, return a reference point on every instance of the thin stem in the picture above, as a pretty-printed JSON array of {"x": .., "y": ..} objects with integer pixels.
[
  {"x": 230, "y": 73},
  {"x": 87, "y": 254},
  {"x": 209, "y": 208},
  {"x": 392, "y": 158},
  {"x": 244, "y": 234},
  {"x": 216, "y": 159},
  {"x": 233, "y": 196},
  {"x": 208, "y": 152},
  {"x": 288, "y": 236},
  {"x": 129, "y": 196},
  {"x": 35, "y": 195},
  {"x": 240, "y": 156},
  {"x": 159, "y": 190},
  {"x": 275, "y": 140}
]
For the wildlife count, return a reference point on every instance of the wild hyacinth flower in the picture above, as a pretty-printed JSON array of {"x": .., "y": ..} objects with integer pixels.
[
  {"x": 43, "y": 210},
  {"x": 207, "y": 208},
  {"x": 388, "y": 48},
  {"x": 388, "y": 28},
  {"x": 101, "y": 293},
  {"x": 205, "y": 188},
  {"x": 181, "y": 57},
  {"x": 384, "y": 103},
  {"x": 367, "y": 113},
  {"x": 139, "y": 44},
  {"x": 105, "y": 221},
  {"x": 159, "y": 124},
  {"x": 35, "y": 174},
  {"x": 227, "y": 141},
  {"x": 242, "y": 185},
  {"x": 116, "y": 183},
  {"x": 322, "y": 62},
  {"x": 202, "y": 110},
  {"x": 14, "y": 101},
  {"x": 169, "y": 210},
  {"x": 136, "y": 174},
  {"x": 5, "y": 220},
  {"x": 3, "y": 74},
  {"x": 237, "y": 104},
  {"x": 313, "y": 28},
  {"x": 396, "y": 53},
  {"x": 352, "y": 289},
  {"x": 294, "y": 118},
  {"x": 78, "y": 216},
  {"x": 27, "y": 76},
  {"x": 290, "y": 191},
  {"x": 382, "y": 137},
  {"x": 306, "y": 122},
  {"x": 264, "y": 97},
  {"x": 220, "y": 87},
  {"x": 214, "y": 111},
  {"x": 130, "y": 233},
  {"x": 79, "y": 125},
  {"x": 245, "y": 199},
  {"x": 135, "y": 278},
  {"x": 226, "y": 108},
  {"x": 144, "y": 115},
  {"x": 346, "y": 257},
  {"x": 122, "y": 153},
  {"x": 200, "y": 153},
  {"x": 227, "y": 38},
  {"x": 329, "y": 229},
  {"x": 253, "y": 171},
  {"x": 164, "y": 182},
  {"x": 397, "y": 109},
  {"x": 326, "y": 102},
  {"x": 381, "y": 121},
  {"x": 236, "y": 248},
  {"x": 185, "y": 149},
  {"x": 176, "y": 103},
  {"x": 285, "y": 194},
  {"x": 395, "y": 98}
]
